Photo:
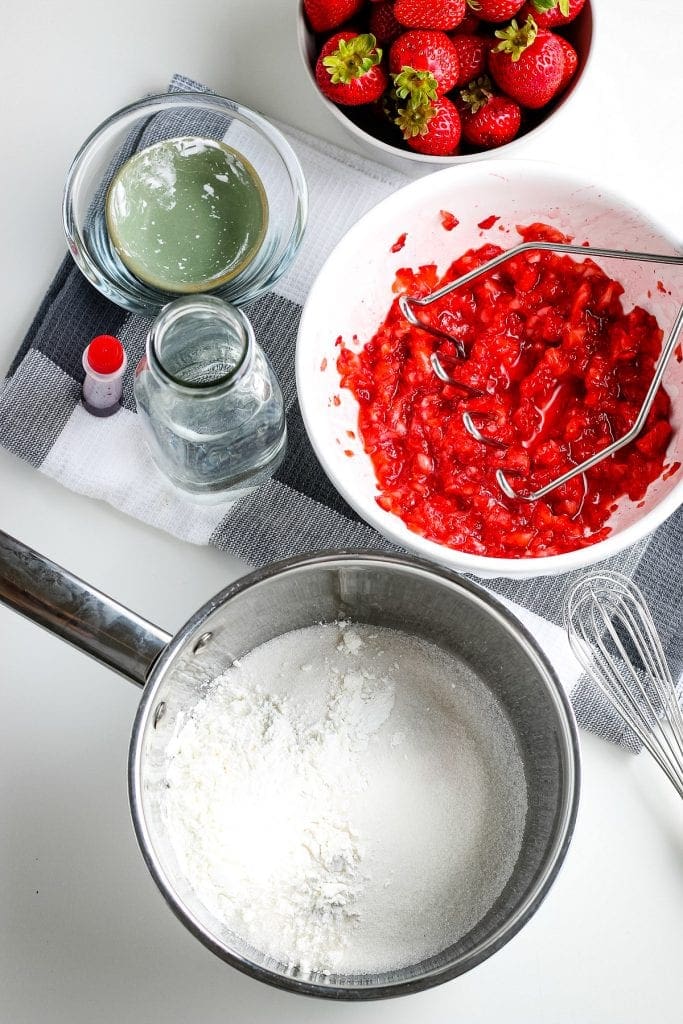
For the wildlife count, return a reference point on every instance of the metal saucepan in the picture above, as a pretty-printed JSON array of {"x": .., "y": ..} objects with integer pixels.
[{"x": 403, "y": 593}]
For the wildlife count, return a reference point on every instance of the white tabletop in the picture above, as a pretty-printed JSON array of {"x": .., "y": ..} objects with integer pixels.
[{"x": 84, "y": 934}]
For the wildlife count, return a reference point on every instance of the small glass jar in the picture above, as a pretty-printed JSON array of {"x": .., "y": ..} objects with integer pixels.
[{"x": 209, "y": 400}]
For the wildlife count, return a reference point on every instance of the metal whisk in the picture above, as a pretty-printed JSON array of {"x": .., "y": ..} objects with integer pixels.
[
  {"x": 407, "y": 302},
  {"x": 612, "y": 634}
]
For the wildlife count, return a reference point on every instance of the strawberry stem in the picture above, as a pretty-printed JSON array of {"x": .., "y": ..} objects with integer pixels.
[
  {"x": 413, "y": 85},
  {"x": 414, "y": 118},
  {"x": 515, "y": 39},
  {"x": 353, "y": 58},
  {"x": 548, "y": 5},
  {"x": 477, "y": 94}
]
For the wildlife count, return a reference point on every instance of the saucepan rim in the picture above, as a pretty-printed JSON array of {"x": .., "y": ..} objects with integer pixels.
[{"x": 566, "y": 816}]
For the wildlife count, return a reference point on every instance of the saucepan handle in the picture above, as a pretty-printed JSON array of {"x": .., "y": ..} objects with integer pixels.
[{"x": 61, "y": 602}]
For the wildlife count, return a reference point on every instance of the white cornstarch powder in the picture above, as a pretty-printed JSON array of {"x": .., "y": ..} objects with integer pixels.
[{"x": 346, "y": 799}]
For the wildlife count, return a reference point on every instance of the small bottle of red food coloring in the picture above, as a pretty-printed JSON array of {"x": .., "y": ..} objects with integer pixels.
[{"x": 104, "y": 362}]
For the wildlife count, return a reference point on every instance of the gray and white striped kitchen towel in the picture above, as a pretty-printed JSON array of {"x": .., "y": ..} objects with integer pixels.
[{"x": 42, "y": 421}]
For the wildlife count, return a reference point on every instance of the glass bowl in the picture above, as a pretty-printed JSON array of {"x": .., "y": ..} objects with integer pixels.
[{"x": 169, "y": 116}]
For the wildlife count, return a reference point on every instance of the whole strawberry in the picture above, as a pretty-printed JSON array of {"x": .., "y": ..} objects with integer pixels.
[
  {"x": 497, "y": 10},
  {"x": 326, "y": 14},
  {"x": 470, "y": 23},
  {"x": 527, "y": 63},
  {"x": 348, "y": 70},
  {"x": 441, "y": 14},
  {"x": 571, "y": 61},
  {"x": 383, "y": 24},
  {"x": 487, "y": 120},
  {"x": 432, "y": 128},
  {"x": 425, "y": 50},
  {"x": 472, "y": 55},
  {"x": 551, "y": 13}
]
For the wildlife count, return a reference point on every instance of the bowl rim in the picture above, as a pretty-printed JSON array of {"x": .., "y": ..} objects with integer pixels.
[
  {"x": 480, "y": 565},
  {"x": 152, "y": 104},
  {"x": 304, "y": 33}
]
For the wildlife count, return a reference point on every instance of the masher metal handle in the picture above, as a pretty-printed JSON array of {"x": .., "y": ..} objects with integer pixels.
[
  {"x": 621, "y": 442},
  {"x": 406, "y": 303}
]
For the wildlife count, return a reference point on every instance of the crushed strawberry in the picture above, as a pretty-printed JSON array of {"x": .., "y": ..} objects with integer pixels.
[{"x": 561, "y": 370}]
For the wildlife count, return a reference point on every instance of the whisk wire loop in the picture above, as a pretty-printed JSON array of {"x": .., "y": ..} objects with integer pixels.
[
  {"x": 641, "y": 702},
  {"x": 614, "y": 638}
]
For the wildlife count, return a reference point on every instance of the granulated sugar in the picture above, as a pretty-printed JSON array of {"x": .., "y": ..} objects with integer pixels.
[{"x": 346, "y": 799}]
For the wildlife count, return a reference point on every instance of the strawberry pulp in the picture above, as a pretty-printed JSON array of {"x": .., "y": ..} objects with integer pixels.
[{"x": 561, "y": 370}]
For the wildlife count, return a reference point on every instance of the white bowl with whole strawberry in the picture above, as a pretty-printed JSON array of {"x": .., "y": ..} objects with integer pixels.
[
  {"x": 550, "y": 354},
  {"x": 444, "y": 81}
]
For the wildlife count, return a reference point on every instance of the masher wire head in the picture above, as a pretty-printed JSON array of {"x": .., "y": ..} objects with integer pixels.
[
  {"x": 407, "y": 302},
  {"x": 614, "y": 638}
]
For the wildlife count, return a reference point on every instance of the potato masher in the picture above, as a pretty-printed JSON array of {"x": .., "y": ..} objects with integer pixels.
[{"x": 407, "y": 302}]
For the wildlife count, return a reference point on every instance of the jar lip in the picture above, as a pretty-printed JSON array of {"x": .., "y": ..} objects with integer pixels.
[{"x": 221, "y": 309}]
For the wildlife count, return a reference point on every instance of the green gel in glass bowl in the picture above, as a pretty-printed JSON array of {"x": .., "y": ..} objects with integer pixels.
[{"x": 186, "y": 214}]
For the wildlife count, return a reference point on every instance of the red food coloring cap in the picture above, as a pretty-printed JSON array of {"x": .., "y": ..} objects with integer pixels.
[{"x": 105, "y": 354}]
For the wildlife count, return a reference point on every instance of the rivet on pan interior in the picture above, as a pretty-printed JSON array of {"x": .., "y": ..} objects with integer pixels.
[
  {"x": 202, "y": 642},
  {"x": 159, "y": 712}
]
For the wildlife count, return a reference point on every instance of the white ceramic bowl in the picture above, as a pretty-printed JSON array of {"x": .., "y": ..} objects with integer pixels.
[
  {"x": 352, "y": 295},
  {"x": 580, "y": 33}
]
